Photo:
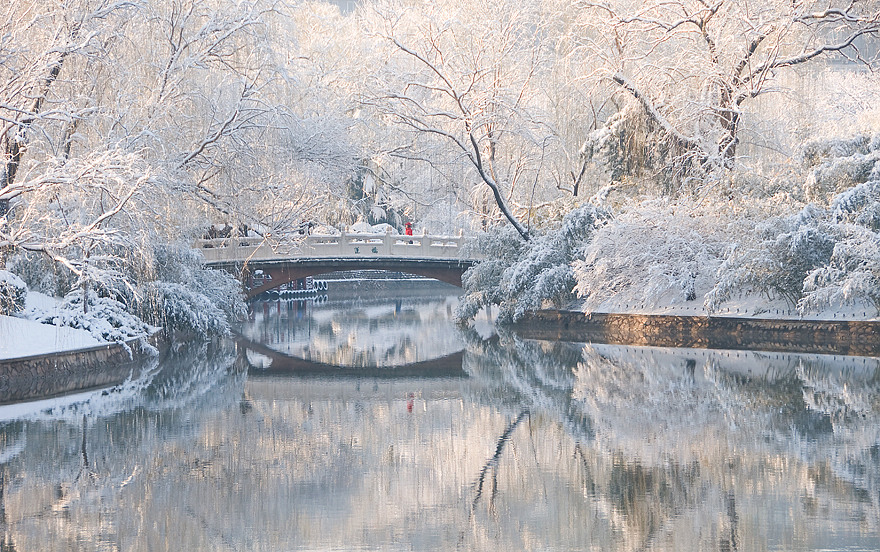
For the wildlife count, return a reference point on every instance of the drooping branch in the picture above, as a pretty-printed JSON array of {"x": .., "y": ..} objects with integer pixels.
[{"x": 652, "y": 111}]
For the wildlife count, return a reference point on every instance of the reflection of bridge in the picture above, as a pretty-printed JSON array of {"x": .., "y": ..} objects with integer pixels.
[
  {"x": 438, "y": 257},
  {"x": 449, "y": 366}
]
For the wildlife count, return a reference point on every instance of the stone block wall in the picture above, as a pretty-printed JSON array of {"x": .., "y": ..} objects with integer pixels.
[
  {"x": 43, "y": 376},
  {"x": 808, "y": 336}
]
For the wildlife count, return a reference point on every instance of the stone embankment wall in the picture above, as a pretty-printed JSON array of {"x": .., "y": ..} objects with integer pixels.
[
  {"x": 43, "y": 376},
  {"x": 809, "y": 336}
]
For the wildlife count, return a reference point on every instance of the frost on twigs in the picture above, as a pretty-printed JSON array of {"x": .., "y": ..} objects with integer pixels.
[{"x": 13, "y": 293}]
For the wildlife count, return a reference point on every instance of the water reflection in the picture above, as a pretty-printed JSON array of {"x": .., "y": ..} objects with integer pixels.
[
  {"x": 707, "y": 450},
  {"x": 532, "y": 446},
  {"x": 356, "y": 332}
]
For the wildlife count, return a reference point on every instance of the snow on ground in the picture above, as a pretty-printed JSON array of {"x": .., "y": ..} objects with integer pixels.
[
  {"x": 748, "y": 306},
  {"x": 22, "y": 338},
  {"x": 41, "y": 301}
]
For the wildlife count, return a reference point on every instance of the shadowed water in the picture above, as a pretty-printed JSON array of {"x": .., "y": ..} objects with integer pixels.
[{"x": 329, "y": 438}]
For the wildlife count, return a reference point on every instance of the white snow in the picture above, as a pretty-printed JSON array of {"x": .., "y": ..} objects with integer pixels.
[
  {"x": 42, "y": 302},
  {"x": 22, "y": 338},
  {"x": 746, "y": 306}
]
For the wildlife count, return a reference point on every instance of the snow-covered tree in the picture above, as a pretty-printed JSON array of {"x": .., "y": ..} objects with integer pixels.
[
  {"x": 181, "y": 295},
  {"x": 692, "y": 66},
  {"x": 83, "y": 213},
  {"x": 451, "y": 82},
  {"x": 655, "y": 251}
]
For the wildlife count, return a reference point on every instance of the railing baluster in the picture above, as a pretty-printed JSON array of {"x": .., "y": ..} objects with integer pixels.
[{"x": 328, "y": 246}]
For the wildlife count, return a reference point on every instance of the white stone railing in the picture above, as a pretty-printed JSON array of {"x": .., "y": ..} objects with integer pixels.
[{"x": 327, "y": 246}]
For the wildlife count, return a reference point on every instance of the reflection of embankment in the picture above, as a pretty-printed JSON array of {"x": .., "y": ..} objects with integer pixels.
[
  {"x": 448, "y": 366},
  {"x": 188, "y": 376}
]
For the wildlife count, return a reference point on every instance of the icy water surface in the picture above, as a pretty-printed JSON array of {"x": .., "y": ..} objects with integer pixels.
[{"x": 379, "y": 426}]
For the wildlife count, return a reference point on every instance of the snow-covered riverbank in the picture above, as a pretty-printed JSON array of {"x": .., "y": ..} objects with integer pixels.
[
  {"x": 23, "y": 335},
  {"x": 22, "y": 338},
  {"x": 751, "y": 306}
]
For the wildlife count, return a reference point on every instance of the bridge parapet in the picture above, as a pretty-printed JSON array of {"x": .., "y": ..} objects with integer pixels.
[{"x": 344, "y": 245}]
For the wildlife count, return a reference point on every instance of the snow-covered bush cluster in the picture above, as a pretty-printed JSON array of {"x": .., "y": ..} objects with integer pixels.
[
  {"x": 817, "y": 258},
  {"x": 482, "y": 282},
  {"x": 852, "y": 272},
  {"x": 187, "y": 297},
  {"x": 837, "y": 165},
  {"x": 105, "y": 318},
  {"x": 13, "y": 293},
  {"x": 521, "y": 276},
  {"x": 656, "y": 251},
  {"x": 666, "y": 252},
  {"x": 174, "y": 291},
  {"x": 775, "y": 258}
]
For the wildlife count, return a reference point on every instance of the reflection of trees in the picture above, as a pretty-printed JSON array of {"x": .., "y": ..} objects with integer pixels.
[
  {"x": 562, "y": 447},
  {"x": 525, "y": 375},
  {"x": 491, "y": 465},
  {"x": 668, "y": 438},
  {"x": 99, "y": 443}
]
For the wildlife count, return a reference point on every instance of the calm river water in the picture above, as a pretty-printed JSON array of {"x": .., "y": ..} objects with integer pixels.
[{"x": 377, "y": 425}]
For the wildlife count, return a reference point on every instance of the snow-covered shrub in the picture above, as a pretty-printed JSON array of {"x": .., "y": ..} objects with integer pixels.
[
  {"x": 837, "y": 165},
  {"x": 775, "y": 258},
  {"x": 657, "y": 250},
  {"x": 176, "y": 307},
  {"x": 859, "y": 205},
  {"x": 501, "y": 247},
  {"x": 816, "y": 152},
  {"x": 105, "y": 318},
  {"x": 543, "y": 272},
  {"x": 185, "y": 296},
  {"x": 853, "y": 271},
  {"x": 520, "y": 276},
  {"x": 13, "y": 293}
]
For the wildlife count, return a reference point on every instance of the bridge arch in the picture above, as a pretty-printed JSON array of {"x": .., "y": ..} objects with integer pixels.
[
  {"x": 284, "y": 271},
  {"x": 438, "y": 257}
]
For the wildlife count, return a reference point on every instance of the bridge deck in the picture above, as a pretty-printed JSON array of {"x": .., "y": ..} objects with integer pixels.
[
  {"x": 343, "y": 246},
  {"x": 439, "y": 257}
]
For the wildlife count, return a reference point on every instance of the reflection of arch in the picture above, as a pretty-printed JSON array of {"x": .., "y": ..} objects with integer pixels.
[
  {"x": 289, "y": 270},
  {"x": 449, "y": 366}
]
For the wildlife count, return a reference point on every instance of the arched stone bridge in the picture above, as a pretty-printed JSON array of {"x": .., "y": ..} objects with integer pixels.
[{"x": 438, "y": 257}]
